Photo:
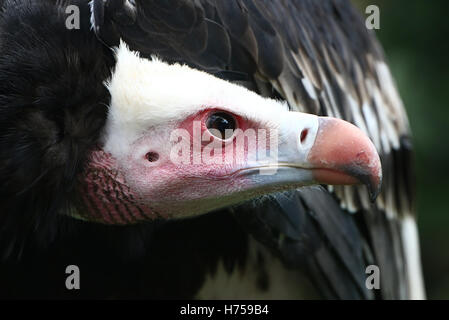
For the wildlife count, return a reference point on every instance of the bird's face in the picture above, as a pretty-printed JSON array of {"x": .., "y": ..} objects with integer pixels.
[{"x": 180, "y": 142}]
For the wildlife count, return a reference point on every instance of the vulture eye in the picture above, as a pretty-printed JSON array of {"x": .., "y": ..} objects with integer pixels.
[{"x": 221, "y": 125}]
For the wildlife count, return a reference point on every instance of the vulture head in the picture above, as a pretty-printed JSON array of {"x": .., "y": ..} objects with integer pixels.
[{"x": 180, "y": 142}]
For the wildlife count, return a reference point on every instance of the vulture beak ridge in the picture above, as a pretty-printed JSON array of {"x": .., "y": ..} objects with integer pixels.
[
  {"x": 323, "y": 150},
  {"x": 343, "y": 155}
]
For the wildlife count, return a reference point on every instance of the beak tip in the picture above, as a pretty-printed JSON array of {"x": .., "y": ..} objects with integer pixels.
[
  {"x": 374, "y": 193},
  {"x": 372, "y": 180},
  {"x": 374, "y": 188},
  {"x": 342, "y": 146}
]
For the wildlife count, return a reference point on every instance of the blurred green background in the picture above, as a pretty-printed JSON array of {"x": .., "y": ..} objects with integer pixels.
[{"x": 415, "y": 37}]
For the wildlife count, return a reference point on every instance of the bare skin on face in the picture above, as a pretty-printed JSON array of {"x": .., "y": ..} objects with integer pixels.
[{"x": 156, "y": 163}]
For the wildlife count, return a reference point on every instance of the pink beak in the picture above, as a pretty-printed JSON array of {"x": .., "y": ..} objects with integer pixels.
[{"x": 342, "y": 155}]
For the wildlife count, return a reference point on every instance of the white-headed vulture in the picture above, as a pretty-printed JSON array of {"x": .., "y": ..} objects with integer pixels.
[{"x": 101, "y": 124}]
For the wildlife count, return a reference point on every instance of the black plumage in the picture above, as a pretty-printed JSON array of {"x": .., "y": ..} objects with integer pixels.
[{"x": 45, "y": 137}]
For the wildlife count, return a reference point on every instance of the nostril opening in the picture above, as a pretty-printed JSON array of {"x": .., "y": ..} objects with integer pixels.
[
  {"x": 304, "y": 135},
  {"x": 152, "y": 156}
]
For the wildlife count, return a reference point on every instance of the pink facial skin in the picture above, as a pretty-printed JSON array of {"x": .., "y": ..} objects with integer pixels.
[
  {"x": 157, "y": 187},
  {"x": 148, "y": 181},
  {"x": 106, "y": 196}
]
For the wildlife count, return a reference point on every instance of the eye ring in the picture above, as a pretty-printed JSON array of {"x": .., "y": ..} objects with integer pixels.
[{"x": 221, "y": 124}]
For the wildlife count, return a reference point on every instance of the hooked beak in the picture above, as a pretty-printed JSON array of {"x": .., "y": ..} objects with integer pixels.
[
  {"x": 323, "y": 150},
  {"x": 343, "y": 155}
]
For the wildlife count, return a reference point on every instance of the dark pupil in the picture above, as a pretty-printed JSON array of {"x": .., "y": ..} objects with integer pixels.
[{"x": 221, "y": 122}]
